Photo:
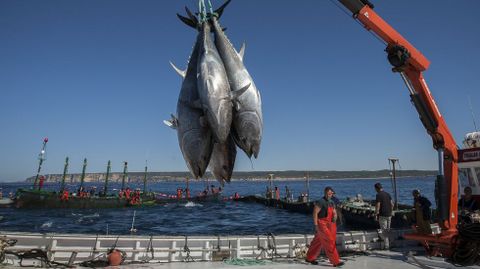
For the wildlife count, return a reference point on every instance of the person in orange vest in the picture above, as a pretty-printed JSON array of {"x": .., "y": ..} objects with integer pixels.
[
  {"x": 187, "y": 193},
  {"x": 179, "y": 193},
  {"x": 324, "y": 214},
  {"x": 40, "y": 183},
  {"x": 277, "y": 193},
  {"x": 64, "y": 196},
  {"x": 127, "y": 193},
  {"x": 135, "y": 197}
]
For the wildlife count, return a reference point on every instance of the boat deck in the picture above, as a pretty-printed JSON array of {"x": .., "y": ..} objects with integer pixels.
[{"x": 374, "y": 260}]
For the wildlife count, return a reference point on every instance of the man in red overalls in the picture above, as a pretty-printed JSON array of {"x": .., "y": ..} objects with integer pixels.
[{"x": 324, "y": 217}]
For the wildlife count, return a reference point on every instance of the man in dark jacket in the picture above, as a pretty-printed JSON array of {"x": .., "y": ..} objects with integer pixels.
[
  {"x": 383, "y": 213},
  {"x": 422, "y": 213}
]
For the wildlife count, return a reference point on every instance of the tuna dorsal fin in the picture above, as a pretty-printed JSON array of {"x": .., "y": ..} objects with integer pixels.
[
  {"x": 242, "y": 51},
  {"x": 219, "y": 11},
  {"x": 187, "y": 21},
  {"x": 236, "y": 93},
  {"x": 179, "y": 71}
]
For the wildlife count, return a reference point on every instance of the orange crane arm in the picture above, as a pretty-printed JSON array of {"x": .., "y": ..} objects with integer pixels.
[{"x": 410, "y": 63}]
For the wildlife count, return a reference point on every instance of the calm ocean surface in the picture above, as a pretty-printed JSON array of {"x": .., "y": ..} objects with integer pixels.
[{"x": 214, "y": 218}]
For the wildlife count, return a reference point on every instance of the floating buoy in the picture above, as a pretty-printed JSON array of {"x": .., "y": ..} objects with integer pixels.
[{"x": 115, "y": 258}]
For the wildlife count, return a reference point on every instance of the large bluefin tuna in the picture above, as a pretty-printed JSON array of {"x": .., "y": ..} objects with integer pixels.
[
  {"x": 223, "y": 160},
  {"x": 213, "y": 87},
  {"x": 194, "y": 136},
  {"x": 248, "y": 121}
]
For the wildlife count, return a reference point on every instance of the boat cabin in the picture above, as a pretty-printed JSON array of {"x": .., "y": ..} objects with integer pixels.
[{"x": 469, "y": 164}]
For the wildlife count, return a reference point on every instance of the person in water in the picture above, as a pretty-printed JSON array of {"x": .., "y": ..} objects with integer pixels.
[{"x": 324, "y": 215}]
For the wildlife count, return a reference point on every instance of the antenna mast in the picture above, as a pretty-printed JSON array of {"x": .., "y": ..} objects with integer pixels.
[
  {"x": 393, "y": 161},
  {"x": 106, "y": 179},
  {"x": 82, "y": 178},
  {"x": 124, "y": 174},
  {"x": 473, "y": 114},
  {"x": 41, "y": 158},
  {"x": 65, "y": 171}
]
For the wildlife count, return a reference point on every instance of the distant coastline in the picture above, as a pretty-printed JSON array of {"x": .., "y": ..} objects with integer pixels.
[{"x": 241, "y": 175}]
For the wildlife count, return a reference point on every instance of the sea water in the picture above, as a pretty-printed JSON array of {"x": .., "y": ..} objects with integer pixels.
[{"x": 192, "y": 218}]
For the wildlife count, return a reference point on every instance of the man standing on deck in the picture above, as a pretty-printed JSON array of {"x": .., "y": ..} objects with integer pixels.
[
  {"x": 467, "y": 204},
  {"x": 423, "y": 213},
  {"x": 324, "y": 214},
  {"x": 383, "y": 213}
]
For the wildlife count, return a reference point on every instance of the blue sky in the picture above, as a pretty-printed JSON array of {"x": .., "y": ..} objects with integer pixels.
[{"x": 93, "y": 77}]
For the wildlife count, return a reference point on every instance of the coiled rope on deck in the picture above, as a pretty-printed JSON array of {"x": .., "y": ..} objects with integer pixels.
[{"x": 468, "y": 250}]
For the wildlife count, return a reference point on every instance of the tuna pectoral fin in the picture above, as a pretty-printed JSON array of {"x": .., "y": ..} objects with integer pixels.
[
  {"x": 179, "y": 71},
  {"x": 187, "y": 21},
  {"x": 236, "y": 93},
  {"x": 172, "y": 123},
  {"x": 242, "y": 51}
]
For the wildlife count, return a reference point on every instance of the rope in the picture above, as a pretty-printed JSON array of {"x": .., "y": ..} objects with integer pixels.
[
  {"x": 467, "y": 251},
  {"x": 246, "y": 262},
  {"x": 202, "y": 10},
  {"x": 150, "y": 247},
  {"x": 186, "y": 249}
]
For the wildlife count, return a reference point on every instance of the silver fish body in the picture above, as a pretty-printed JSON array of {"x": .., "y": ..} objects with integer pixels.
[
  {"x": 247, "y": 118},
  {"x": 222, "y": 160},
  {"x": 213, "y": 87},
  {"x": 194, "y": 136}
]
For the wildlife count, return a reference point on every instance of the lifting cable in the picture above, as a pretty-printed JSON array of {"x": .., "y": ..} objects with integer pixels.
[{"x": 355, "y": 19}]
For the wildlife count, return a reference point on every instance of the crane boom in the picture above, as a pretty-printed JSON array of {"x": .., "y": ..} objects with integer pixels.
[{"x": 410, "y": 63}]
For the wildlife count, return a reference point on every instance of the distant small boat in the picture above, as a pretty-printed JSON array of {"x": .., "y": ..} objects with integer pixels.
[
  {"x": 45, "y": 199},
  {"x": 161, "y": 198},
  {"x": 4, "y": 202},
  {"x": 293, "y": 206},
  {"x": 361, "y": 214}
]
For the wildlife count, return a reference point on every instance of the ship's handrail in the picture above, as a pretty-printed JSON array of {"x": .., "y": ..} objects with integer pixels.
[{"x": 60, "y": 247}]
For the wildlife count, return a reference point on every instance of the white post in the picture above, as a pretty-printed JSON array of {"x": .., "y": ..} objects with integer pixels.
[
  {"x": 171, "y": 254},
  {"x": 206, "y": 251},
  {"x": 51, "y": 250},
  {"x": 238, "y": 246}
]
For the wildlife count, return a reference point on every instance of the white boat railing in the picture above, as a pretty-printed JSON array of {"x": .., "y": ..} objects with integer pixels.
[{"x": 155, "y": 249}]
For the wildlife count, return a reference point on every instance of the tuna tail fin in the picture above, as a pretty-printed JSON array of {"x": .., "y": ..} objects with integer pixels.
[
  {"x": 187, "y": 21},
  {"x": 242, "y": 51},
  {"x": 179, "y": 71},
  {"x": 191, "y": 16},
  {"x": 219, "y": 11}
]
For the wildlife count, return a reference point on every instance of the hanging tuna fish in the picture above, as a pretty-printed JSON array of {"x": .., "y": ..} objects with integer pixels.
[
  {"x": 226, "y": 107},
  {"x": 194, "y": 135}
]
